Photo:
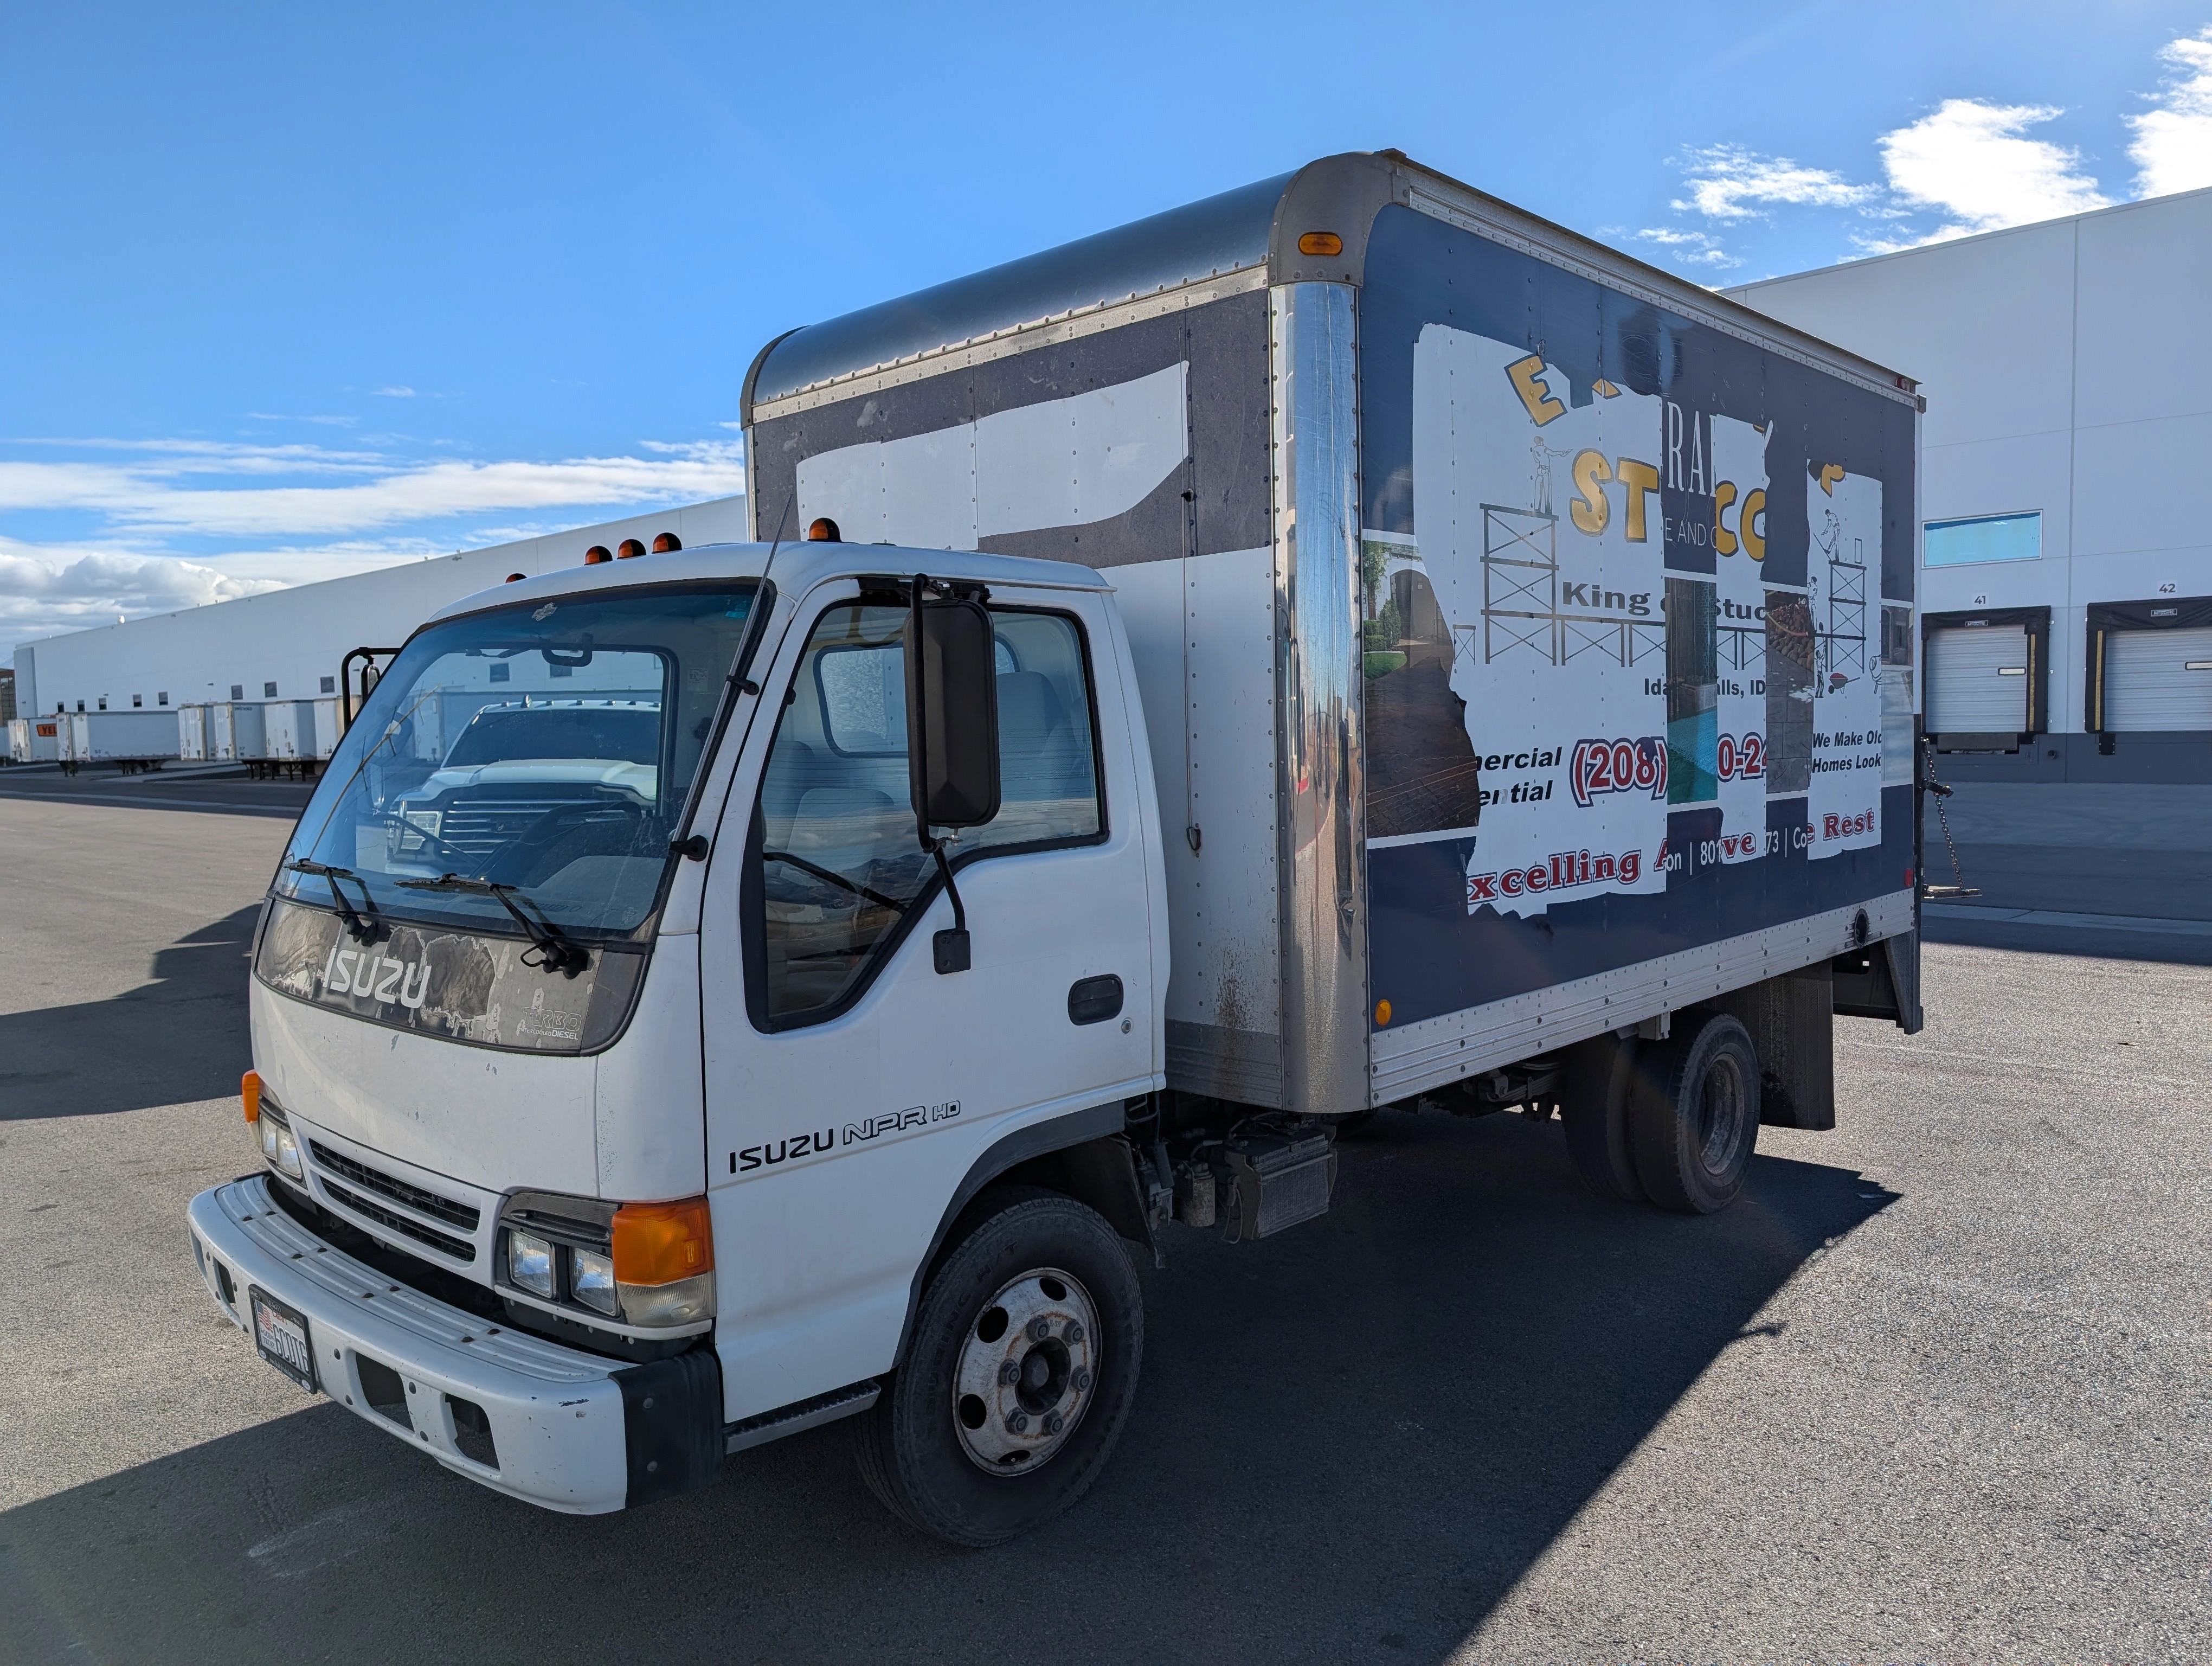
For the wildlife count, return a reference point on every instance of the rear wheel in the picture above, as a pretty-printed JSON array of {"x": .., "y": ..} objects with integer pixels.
[
  {"x": 1594, "y": 1095},
  {"x": 1020, "y": 1373},
  {"x": 1694, "y": 1120}
]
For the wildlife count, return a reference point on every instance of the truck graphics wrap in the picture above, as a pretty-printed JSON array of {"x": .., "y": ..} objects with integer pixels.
[{"x": 1649, "y": 551}]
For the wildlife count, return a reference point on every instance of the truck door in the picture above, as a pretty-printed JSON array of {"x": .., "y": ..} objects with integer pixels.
[{"x": 850, "y": 1086}]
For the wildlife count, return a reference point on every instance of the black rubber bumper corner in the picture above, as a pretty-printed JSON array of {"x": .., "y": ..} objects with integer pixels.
[{"x": 672, "y": 1424}]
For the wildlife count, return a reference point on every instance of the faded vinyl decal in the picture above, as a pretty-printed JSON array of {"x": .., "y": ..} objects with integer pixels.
[{"x": 450, "y": 983}]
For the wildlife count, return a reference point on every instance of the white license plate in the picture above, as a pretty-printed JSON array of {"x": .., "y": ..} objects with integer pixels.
[{"x": 280, "y": 1332}]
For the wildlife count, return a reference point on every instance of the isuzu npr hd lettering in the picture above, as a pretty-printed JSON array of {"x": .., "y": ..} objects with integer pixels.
[{"x": 1343, "y": 644}]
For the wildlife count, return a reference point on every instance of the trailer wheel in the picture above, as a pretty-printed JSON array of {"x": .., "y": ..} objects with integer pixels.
[
  {"x": 1594, "y": 1095},
  {"x": 1693, "y": 1119},
  {"x": 1019, "y": 1375}
]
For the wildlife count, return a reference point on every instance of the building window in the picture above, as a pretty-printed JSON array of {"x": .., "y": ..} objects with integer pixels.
[
  {"x": 163, "y": 698},
  {"x": 330, "y": 685},
  {"x": 499, "y": 670},
  {"x": 137, "y": 700},
  {"x": 1985, "y": 538},
  {"x": 238, "y": 691},
  {"x": 103, "y": 703},
  {"x": 267, "y": 690}
]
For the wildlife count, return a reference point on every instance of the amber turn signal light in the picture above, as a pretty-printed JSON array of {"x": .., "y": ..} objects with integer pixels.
[
  {"x": 661, "y": 1242},
  {"x": 823, "y": 530},
  {"x": 249, "y": 1090},
  {"x": 1320, "y": 242}
]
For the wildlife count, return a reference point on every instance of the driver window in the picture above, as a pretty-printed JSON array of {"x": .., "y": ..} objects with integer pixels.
[{"x": 836, "y": 863}]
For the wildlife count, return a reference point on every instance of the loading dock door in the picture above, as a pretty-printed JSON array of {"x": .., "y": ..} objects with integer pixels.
[
  {"x": 1977, "y": 681},
  {"x": 2149, "y": 683}
]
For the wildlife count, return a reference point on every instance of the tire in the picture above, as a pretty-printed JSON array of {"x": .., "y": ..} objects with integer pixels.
[
  {"x": 1694, "y": 1120},
  {"x": 1594, "y": 1099},
  {"x": 953, "y": 1449}
]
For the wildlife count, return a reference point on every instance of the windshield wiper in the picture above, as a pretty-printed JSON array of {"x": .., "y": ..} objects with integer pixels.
[
  {"x": 555, "y": 951},
  {"x": 360, "y": 930},
  {"x": 834, "y": 879}
]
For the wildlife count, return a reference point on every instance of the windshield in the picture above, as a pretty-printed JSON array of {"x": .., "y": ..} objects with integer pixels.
[{"x": 543, "y": 750}]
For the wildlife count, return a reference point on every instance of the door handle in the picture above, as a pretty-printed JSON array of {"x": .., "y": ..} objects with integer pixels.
[{"x": 1095, "y": 999}]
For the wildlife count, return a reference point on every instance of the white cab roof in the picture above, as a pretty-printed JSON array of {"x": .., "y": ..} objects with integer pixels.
[{"x": 797, "y": 568}]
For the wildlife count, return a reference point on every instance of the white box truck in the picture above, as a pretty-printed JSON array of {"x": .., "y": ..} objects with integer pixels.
[{"x": 1344, "y": 644}]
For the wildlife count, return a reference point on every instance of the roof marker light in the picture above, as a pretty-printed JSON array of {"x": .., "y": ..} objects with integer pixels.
[
  {"x": 629, "y": 550},
  {"x": 596, "y": 553},
  {"x": 823, "y": 530},
  {"x": 666, "y": 543}
]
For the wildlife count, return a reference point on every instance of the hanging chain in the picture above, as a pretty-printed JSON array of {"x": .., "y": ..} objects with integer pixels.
[{"x": 1942, "y": 793}]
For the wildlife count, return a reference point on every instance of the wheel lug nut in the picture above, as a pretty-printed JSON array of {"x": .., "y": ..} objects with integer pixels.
[
  {"x": 1010, "y": 1373},
  {"x": 1040, "y": 1327},
  {"x": 1052, "y": 1423},
  {"x": 1017, "y": 1421},
  {"x": 1074, "y": 1333},
  {"x": 1083, "y": 1381}
]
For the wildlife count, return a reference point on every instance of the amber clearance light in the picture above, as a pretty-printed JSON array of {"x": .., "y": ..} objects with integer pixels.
[
  {"x": 249, "y": 1090},
  {"x": 661, "y": 1242},
  {"x": 1320, "y": 242}
]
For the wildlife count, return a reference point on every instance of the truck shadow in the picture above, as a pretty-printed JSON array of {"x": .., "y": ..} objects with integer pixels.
[
  {"x": 179, "y": 1037},
  {"x": 1351, "y": 1440}
]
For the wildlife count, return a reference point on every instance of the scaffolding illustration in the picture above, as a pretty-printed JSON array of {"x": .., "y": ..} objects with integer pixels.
[
  {"x": 1520, "y": 611},
  {"x": 1843, "y": 646}
]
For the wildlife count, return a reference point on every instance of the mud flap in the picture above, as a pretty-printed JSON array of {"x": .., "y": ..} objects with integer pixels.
[
  {"x": 672, "y": 1424},
  {"x": 1792, "y": 1027}
]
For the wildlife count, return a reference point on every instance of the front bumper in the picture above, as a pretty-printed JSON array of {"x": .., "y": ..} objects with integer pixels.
[{"x": 554, "y": 1426}]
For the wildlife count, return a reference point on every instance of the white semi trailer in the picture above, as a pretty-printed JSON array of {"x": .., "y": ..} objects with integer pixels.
[{"x": 1344, "y": 644}]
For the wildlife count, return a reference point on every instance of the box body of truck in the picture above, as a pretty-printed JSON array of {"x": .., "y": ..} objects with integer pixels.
[{"x": 1524, "y": 634}]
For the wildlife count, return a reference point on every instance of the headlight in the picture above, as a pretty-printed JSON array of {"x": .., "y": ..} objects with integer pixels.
[
  {"x": 530, "y": 1263},
  {"x": 592, "y": 1281},
  {"x": 278, "y": 1143}
]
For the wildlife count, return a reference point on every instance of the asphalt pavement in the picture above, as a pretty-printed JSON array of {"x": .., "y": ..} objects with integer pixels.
[{"x": 1933, "y": 1390}]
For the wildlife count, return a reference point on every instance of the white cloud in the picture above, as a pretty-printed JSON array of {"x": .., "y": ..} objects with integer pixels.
[
  {"x": 73, "y": 587},
  {"x": 1692, "y": 248},
  {"x": 153, "y": 512},
  {"x": 1969, "y": 160},
  {"x": 395, "y": 392},
  {"x": 150, "y": 494},
  {"x": 1729, "y": 182},
  {"x": 2172, "y": 146}
]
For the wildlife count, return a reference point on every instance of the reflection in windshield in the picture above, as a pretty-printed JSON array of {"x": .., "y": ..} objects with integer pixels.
[{"x": 544, "y": 750}]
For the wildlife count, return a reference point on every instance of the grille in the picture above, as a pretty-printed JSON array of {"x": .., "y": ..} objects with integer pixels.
[
  {"x": 482, "y": 826},
  {"x": 457, "y": 1249},
  {"x": 423, "y": 1202}
]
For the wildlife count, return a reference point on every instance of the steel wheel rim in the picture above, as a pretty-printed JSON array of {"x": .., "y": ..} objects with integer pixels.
[
  {"x": 1722, "y": 1105},
  {"x": 1026, "y": 1372}
]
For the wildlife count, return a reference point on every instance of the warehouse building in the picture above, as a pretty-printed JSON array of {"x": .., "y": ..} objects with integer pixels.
[
  {"x": 285, "y": 649},
  {"x": 2066, "y": 586}
]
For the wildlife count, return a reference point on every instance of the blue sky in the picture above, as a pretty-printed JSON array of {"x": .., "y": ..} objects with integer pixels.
[{"x": 294, "y": 291}]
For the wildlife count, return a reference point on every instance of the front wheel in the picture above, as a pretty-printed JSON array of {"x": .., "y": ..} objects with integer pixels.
[{"x": 1020, "y": 1373}]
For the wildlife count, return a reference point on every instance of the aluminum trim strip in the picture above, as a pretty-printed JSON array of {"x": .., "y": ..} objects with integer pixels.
[
  {"x": 1445, "y": 1049},
  {"x": 1013, "y": 339}
]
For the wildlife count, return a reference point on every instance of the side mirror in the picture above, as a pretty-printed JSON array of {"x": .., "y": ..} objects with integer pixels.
[
  {"x": 951, "y": 737},
  {"x": 952, "y": 714}
]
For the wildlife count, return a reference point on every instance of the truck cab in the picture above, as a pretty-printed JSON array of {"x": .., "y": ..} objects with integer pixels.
[{"x": 633, "y": 1072}]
